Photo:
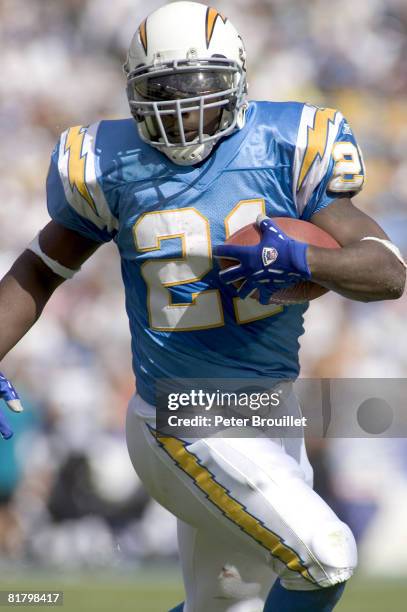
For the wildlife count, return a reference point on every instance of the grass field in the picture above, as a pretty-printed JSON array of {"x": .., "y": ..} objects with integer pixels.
[{"x": 159, "y": 590}]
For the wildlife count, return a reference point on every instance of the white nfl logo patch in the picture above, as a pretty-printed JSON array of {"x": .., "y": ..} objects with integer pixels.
[{"x": 269, "y": 255}]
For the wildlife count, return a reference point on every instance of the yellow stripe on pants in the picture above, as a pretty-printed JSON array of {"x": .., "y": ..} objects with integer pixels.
[{"x": 231, "y": 508}]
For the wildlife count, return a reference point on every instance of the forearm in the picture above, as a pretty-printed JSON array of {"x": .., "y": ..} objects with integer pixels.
[
  {"x": 364, "y": 271},
  {"x": 24, "y": 291}
]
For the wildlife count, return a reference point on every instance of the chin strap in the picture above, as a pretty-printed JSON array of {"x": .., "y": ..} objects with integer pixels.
[
  {"x": 389, "y": 246},
  {"x": 241, "y": 118}
]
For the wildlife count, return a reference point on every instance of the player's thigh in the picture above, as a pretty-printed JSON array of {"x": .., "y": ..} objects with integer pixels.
[{"x": 173, "y": 473}]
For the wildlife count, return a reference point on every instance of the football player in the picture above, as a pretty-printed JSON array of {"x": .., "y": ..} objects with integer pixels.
[{"x": 194, "y": 163}]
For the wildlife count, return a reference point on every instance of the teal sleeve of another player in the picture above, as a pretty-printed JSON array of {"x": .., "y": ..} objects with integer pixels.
[
  {"x": 344, "y": 177},
  {"x": 63, "y": 213}
]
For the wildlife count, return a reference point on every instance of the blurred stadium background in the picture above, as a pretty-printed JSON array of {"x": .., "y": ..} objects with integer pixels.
[{"x": 72, "y": 512}]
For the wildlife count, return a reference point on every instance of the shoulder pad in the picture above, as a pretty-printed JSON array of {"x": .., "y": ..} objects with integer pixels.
[{"x": 79, "y": 169}]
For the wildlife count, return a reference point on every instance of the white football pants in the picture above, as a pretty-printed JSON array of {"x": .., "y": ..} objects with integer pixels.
[{"x": 246, "y": 510}]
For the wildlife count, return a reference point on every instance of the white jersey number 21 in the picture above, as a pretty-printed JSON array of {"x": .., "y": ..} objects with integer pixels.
[{"x": 205, "y": 310}]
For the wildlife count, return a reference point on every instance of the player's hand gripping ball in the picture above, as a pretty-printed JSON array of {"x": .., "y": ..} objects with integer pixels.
[
  {"x": 267, "y": 260},
  {"x": 10, "y": 396}
]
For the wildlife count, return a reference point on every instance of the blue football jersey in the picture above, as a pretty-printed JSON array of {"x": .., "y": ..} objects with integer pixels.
[{"x": 289, "y": 160}]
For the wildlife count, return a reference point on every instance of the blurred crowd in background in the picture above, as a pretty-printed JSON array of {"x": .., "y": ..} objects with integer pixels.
[{"x": 68, "y": 494}]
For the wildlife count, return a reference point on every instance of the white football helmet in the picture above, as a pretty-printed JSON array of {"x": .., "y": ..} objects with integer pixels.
[{"x": 186, "y": 59}]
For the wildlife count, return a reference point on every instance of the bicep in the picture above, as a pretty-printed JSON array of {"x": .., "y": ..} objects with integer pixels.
[
  {"x": 346, "y": 223},
  {"x": 66, "y": 246}
]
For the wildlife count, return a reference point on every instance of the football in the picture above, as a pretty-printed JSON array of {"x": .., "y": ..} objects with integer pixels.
[{"x": 303, "y": 231}]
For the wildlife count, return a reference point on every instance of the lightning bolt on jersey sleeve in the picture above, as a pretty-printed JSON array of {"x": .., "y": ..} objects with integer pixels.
[
  {"x": 75, "y": 196},
  {"x": 328, "y": 163}
]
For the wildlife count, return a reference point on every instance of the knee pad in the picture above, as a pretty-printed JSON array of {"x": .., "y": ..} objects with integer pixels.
[{"x": 335, "y": 549}]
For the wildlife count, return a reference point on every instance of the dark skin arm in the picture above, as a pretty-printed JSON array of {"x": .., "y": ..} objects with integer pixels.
[
  {"x": 364, "y": 271},
  {"x": 29, "y": 284}
]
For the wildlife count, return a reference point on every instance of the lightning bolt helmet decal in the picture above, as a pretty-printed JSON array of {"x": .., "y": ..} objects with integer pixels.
[{"x": 211, "y": 17}]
